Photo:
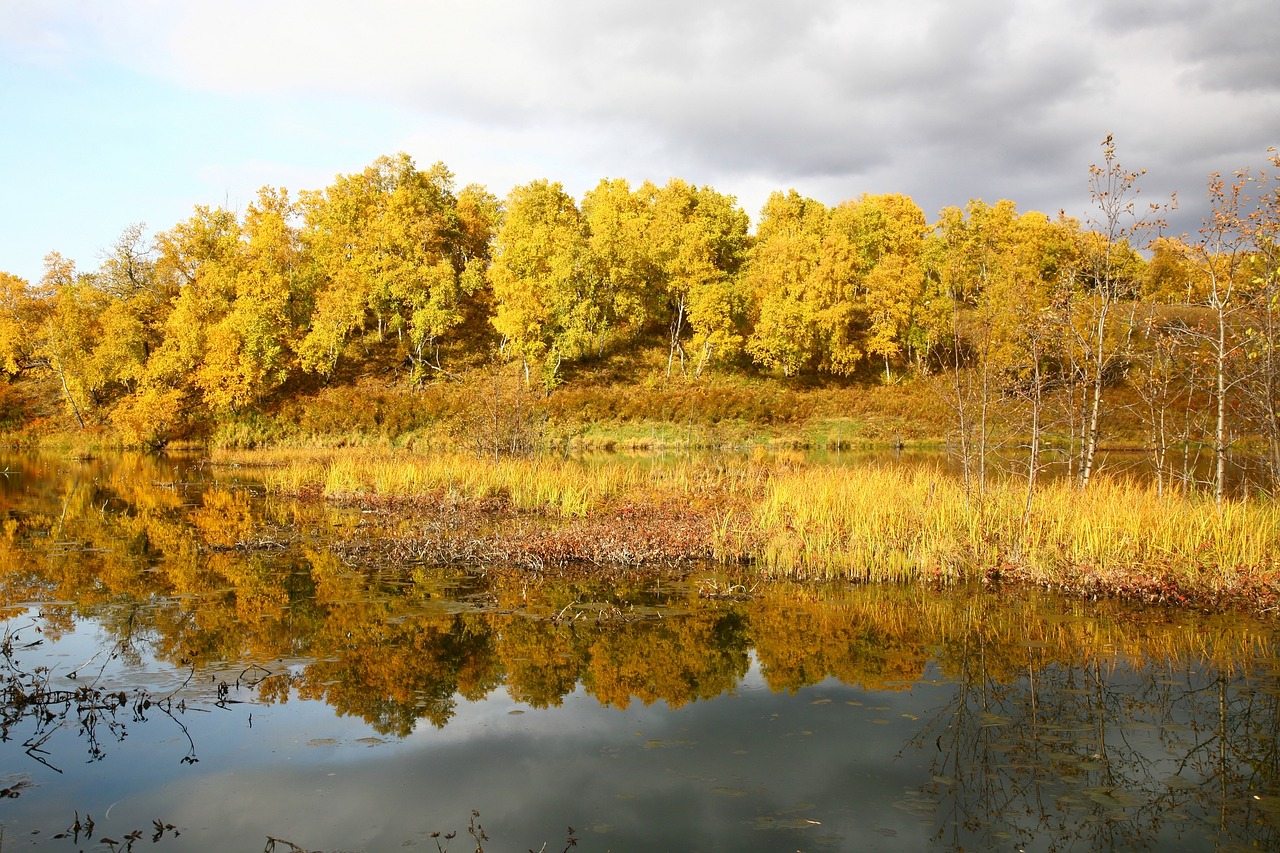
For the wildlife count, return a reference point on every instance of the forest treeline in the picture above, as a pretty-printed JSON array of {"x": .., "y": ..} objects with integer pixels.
[{"x": 1011, "y": 314}]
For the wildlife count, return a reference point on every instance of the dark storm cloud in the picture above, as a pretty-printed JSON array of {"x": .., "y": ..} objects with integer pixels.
[
  {"x": 941, "y": 100},
  {"x": 1228, "y": 46},
  {"x": 832, "y": 90},
  {"x": 958, "y": 100}
]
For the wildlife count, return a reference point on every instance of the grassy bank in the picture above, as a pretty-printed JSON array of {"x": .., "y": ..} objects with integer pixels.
[
  {"x": 624, "y": 408},
  {"x": 784, "y": 518},
  {"x": 1116, "y": 535}
]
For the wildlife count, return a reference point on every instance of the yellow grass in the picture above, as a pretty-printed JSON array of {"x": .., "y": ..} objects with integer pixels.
[
  {"x": 893, "y": 524},
  {"x": 568, "y": 488},
  {"x": 821, "y": 521}
]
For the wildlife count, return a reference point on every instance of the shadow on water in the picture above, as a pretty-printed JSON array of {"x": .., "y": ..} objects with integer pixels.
[{"x": 329, "y": 702}]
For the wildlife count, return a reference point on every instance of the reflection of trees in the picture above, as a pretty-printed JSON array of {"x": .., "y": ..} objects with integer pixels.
[
  {"x": 678, "y": 661},
  {"x": 616, "y": 655},
  {"x": 1094, "y": 725},
  {"x": 392, "y": 674},
  {"x": 1108, "y": 753},
  {"x": 870, "y": 640}
]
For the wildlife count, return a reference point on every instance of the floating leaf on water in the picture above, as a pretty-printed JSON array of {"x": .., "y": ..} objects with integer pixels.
[
  {"x": 944, "y": 780},
  {"x": 990, "y": 719},
  {"x": 1180, "y": 783},
  {"x": 820, "y": 702},
  {"x": 730, "y": 792},
  {"x": 514, "y": 712},
  {"x": 792, "y": 823},
  {"x": 1112, "y": 798},
  {"x": 1270, "y": 806},
  {"x": 1070, "y": 802},
  {"x": 322, "y": 741}
]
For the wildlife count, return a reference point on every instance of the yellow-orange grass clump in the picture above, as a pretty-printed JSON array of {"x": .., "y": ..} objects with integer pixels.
[
  {"x": 567, "y": 488},
  {"x": 892, "y": 524}
]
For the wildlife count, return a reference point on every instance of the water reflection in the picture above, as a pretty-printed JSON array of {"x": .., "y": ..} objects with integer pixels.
[{"x": 327, "y": 704}]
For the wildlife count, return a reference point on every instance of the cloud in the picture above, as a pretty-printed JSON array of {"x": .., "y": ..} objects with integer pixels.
[{"x": 941, "y": 100}]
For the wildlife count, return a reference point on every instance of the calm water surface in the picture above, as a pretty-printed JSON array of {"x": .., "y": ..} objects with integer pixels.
[{"x": 239, "y": 681}]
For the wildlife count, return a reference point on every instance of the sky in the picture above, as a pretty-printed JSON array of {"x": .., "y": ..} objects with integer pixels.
[{"x": 114, "y": 112}]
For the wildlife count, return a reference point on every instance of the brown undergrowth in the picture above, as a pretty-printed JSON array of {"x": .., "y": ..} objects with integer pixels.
[
  {"x": 1241, "y": 590},
  {"x": 437, "y": 530}
]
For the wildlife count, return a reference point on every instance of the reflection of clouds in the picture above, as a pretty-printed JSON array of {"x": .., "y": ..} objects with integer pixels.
[
  {"x": 711, "y": 775},
  {"x": 830, "y": 765}
]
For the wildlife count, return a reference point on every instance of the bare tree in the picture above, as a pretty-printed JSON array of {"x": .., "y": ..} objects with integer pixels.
[
  {"x": 1221, "y": 257},
  {"x": 1103, "y": 336}
]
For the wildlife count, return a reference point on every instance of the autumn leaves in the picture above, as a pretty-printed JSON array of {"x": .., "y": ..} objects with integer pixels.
[{"x": 393, "y": 271}]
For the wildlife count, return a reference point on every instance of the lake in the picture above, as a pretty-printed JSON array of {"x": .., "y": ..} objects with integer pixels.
[{"x": 189, "y": 662}]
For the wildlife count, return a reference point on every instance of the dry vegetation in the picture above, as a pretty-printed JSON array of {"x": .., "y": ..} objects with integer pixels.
[{"x": 779, "y": 517}]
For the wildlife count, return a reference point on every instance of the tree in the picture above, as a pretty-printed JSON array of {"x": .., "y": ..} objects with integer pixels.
[
  {"x": 199, "y": 258},
  {"x": 249, "y": 349},
  {"x": 1102, "y": 339},
  {"x": 968, "y": 250},
  {"x": 699, "y": 240},
  {"x": 70, "y": 328},
  {"x": 1221, "y": 258},
  {"x": 1261, "y": 383},
  {"x": 886, "y": 233},
  {"x": 1027, "y": 342},
  {"x": 390, "y": 253},
  {"x": 20, "y": 317},
  {"x": 137, "y": 302},
  {"x": 780, "y": 273},
  {"x": 548, "y": 306},
  {"x": 833, "y": 286},
  {"x": 620, "y": 258}
]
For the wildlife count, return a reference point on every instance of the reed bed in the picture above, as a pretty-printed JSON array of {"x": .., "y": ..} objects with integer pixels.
[
  {"x": 894, "y": 525},
  {"x": 886, "y": 524},
  {"x": 789, "y": 519},
  {"x": 565, "y": 488}
]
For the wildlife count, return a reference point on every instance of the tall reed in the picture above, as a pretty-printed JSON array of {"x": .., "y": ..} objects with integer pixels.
[
  {"x": 893, "y": 524},
  {"x": 563, "y": 487},
  {"x": 867, "y": 523}
]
